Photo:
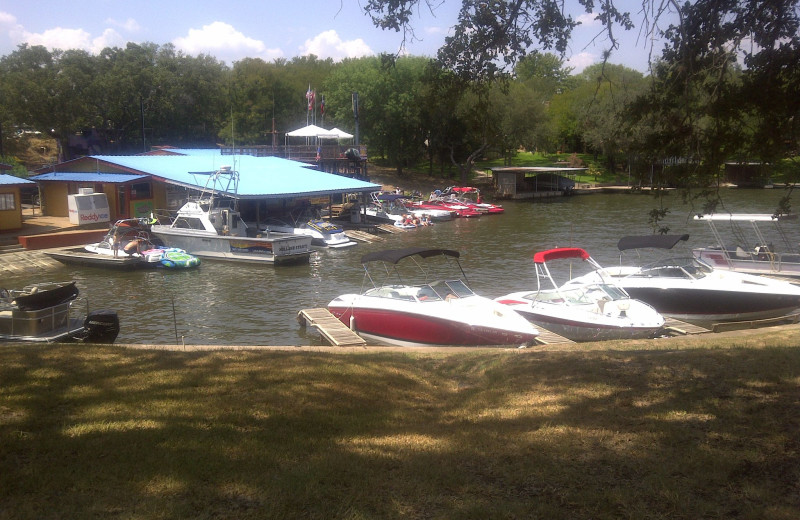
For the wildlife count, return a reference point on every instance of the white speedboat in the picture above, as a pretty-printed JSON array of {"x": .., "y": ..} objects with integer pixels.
[
  {"x": 444, "y": 312},
  {"x": 323, "y": 233},
  {"x": 688, "y": 289},
  {"x": 212, "y": 227},
  {"x": 582, "y": 310},
  {"x": 127, "y": 245},
  {"x": 751, "y": 251},
  {"x": 392, "y": 208},
  {"x": 47, "y": 312}
]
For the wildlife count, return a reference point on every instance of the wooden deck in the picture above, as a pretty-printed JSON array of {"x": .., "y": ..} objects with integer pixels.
[
  {"x": 546, "y": 337},
  {"x": 330, "y": 327},
  {"x": 681, "y": 328},
  {"x": 363, "y": 236}
]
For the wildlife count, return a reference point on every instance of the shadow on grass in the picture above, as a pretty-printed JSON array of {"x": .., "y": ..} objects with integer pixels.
[{"x": 108, "y": 433}]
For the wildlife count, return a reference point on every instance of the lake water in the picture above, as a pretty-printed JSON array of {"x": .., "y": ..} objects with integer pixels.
[{"x": 239, "y": 304}]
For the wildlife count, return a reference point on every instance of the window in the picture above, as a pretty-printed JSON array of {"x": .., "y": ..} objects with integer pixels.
[
  {"x": 140, "y": 191},
  {"x": 7, "y": 201}
]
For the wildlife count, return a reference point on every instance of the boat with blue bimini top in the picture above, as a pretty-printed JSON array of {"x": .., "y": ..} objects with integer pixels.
[
  {"x": 441, "y": 312},
  {"x": 212, "y": 227}
]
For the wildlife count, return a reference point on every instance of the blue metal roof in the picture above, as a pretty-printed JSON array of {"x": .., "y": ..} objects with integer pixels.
[
  {"x": 88, "y": 177},
  {"x": 259, "y": 177},
  {"x": 6, "y": 179}
]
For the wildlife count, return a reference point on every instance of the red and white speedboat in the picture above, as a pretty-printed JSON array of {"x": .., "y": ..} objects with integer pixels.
[
  {"x": 592, "y": 310},
  {"x": 459, "y": 209},
  {"x": 471, "y": 197},
  {"x": 444, "y": 312}
]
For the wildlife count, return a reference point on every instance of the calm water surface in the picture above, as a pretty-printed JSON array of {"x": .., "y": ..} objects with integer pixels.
[{"x": 225, "y": 303}]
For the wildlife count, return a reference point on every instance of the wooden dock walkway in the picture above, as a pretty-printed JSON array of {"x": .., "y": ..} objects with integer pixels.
[
  {"x": 681, "y": 328},
  {"x": 363, "y": 236},
  {"x": 24, "y": 261},
  {"x": 330, "y": 327},
  {"x": 547, "y": 337}
]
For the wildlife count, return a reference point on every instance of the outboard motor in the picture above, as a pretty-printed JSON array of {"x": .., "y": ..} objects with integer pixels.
[{"x": 101, "y": 326}]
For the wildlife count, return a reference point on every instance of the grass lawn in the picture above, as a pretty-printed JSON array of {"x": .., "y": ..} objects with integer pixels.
[{"x": 701, "y": 427}]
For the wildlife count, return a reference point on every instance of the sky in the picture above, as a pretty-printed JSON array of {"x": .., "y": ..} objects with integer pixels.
[{"x": 267, "y": 29}]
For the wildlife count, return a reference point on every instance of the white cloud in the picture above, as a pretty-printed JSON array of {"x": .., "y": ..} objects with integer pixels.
[
  {"x": 60, "y": 38},
  {"x": 580, "y": 61},
  {"x": 588, "y": 19},
  {"x": 224, "y": 42},
  {"x": 328, "y": 44},
  {"x": 129, "y": 25}
]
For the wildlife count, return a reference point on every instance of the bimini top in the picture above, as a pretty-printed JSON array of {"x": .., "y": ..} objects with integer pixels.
[
  {"x": 745, "y": 217},
  {"x": 395, "y": 255},
  {"x": 557, "y": 254},
  {"x": 650, "y": 241}
]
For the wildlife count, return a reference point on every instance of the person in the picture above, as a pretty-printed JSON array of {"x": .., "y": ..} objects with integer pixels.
[{"x": 115, "y": 244}]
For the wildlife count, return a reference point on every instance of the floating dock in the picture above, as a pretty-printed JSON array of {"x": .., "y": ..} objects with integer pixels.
[
  {"x": 363, "y": 236},
  {"x": 330, "y": 327}
]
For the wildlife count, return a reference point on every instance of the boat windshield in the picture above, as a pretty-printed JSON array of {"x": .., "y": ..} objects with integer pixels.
[{"x": 685, "y": 267}]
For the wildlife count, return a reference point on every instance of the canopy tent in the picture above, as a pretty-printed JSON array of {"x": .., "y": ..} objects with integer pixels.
[{"x": 320, "y": 133}]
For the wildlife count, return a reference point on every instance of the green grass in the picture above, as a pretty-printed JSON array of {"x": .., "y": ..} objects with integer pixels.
[{"x": 685, "y": 428}]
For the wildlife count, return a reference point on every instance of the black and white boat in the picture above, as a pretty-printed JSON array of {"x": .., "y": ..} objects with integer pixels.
[
  {"x": 688, "y": 289},
  {"x": 51, "y": 312}
]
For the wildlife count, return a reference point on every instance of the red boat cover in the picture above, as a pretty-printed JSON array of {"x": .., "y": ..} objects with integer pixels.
[{"x": 557, "y": 254}]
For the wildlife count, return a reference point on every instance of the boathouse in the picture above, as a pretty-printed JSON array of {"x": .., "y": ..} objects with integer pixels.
[
  {"x": 139, "y": 185},
  {"x": 527, "y": 182},
  {"x": 11, "y": 201}
]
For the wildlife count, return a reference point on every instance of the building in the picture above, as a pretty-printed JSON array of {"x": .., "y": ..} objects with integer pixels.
[
  {"x": 139, "y": 185},
  {"x": 11, "y": 201}
]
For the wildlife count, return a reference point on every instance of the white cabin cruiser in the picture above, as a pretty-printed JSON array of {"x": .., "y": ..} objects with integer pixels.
[
  {"x": 212, "y": 227},
  {"x": 583, "y": 310},
  {"x": 443, "y": 312}
]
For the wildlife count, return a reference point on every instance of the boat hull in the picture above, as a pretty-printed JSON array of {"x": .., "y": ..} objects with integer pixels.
[
  {"x": 275, "y": 250},
  {"x": 584, "y": 330}
]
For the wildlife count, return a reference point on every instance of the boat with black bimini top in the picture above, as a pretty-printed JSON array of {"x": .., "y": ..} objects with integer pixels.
[
  {"x": 688, "y": 289},
  {"x": 211, "y": 226},
  {"x": 49, "y": 312},
  {"x": 430, "y": 312}
]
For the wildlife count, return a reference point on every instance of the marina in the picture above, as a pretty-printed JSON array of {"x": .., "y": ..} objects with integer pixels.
[{"x": 223, "y": 303}]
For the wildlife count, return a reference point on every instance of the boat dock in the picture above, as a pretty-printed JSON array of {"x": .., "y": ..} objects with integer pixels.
[
  {"x": 681, "y": 328},
  {"x": 330, "y": 327},
  {"x": 363, "y": 236},
  {"x": 546, "y": 337}
]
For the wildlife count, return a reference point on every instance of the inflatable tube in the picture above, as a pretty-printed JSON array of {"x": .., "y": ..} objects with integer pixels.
[{"x": 179, "y": 259}]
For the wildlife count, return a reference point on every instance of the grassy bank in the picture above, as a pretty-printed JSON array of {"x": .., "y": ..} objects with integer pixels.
[{"x": 684, "y": 428}]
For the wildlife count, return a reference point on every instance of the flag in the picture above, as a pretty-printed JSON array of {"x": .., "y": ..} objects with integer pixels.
[
  {"x": 310, "y": 98},
  {"x": 322, "y": 105}
]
